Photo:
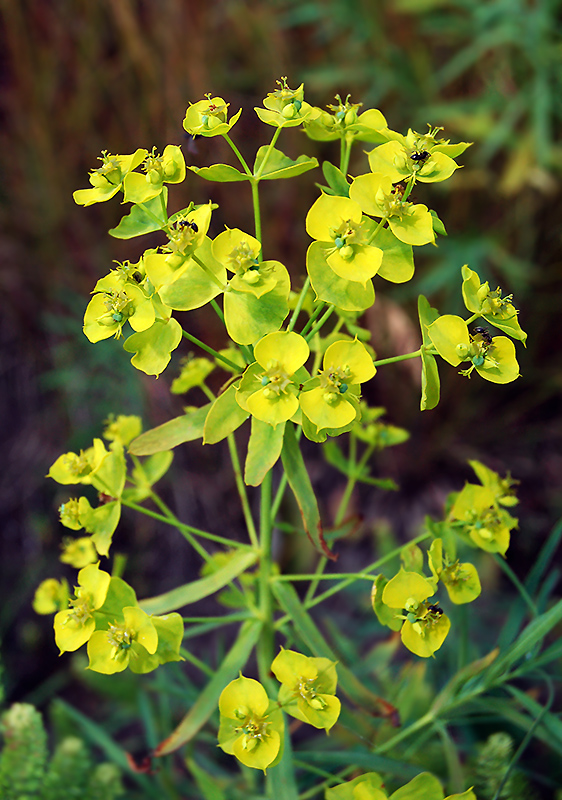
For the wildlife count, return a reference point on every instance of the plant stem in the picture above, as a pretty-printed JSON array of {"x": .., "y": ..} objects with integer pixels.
[
  {"x": 377, "y": 229},
  {"x": 175, "y": 521},
  {"x": 257, "y": 213},
  {"x": 265, "y": 643},
  {"x": 315, "y": 313},
  {"x": 296, "y": 312},
  {"x": 210, "y": 350},
  {"x": 395, "y": 359},
  {"x": 238, "y": 154},
  {"x": 241, "y": 487},
  {"x": 208, "y": 272},
  {"x": 182, "y": 528},
  {"x": 274, "y": 138},
  {"x": 319, "y": 324}
]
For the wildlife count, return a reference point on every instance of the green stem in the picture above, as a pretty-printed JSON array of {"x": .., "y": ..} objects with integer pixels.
[
  {"x": 472, "y": 319},
  {"x": 297, "y": 311},
  {"x": 163, "y": 204},
  {"x": 395, "y": 359},
  {"x": 319, "y": 324},
  {"x": 210, "y": 350},
  {"x": 218, "y": 310},
  {"x": 270, "y": 147},
  {"x": 175, "y": 521},
  {"x": 416, "y": 726},
  {"x": 196, "y": 662},
  {"x": 345, "y": 154},
  {"x": 257, "y": 213},
  {"x": 377, "y": 229},
  {"x": 183, "y": 529},
  {"x": 502, "y": 563},
  {"x": 375, "y": 565},
  {"x": 241, "y": 487},
  {"x": 266, "y": 642},
  {"x": 238, "y": 155},
  {"x": 161, "y": 223},
  {"x": 209, "y": 272},
  {"x": 310, "y": 322}
]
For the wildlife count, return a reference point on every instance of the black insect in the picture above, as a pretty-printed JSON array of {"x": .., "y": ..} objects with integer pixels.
[
  {"x": 186, "y": 223},
  {"x": 420, "y": 156},
  {"x": 136, "y": 276},
  {"x": 435, "y": 609},
  {"x": 484, "y": 333}
]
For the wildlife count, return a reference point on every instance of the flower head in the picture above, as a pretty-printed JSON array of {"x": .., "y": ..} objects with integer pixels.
[
  {"x": 337, "y": 222},
  {"x": 209, "y": 117},
  {"x": 108, "y": 179},
  {"x": 126, "y": 639},
  {"x": 425, "y": 626},
  {"x": 251, "y": 727},
  {"x": 75, "y": 625},
  {"x": 268, "y": 390},
  {"x": 308, "y": 688},
  {"x": 331, "y": 399},
  {"x": 285, "y": 107}
]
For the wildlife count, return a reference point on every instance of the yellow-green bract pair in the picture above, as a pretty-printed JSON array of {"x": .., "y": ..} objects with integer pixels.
[
  {"x": 277, "y": 385},
  {"x": 371, "y": 787},
  {"x": 252, "y": 726},
  {"x": 104, "y": 613}
]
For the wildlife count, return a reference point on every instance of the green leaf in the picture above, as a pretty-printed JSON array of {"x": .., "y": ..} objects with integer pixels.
[
  {"x": 264, "y": 448},
  {"x": 397, "y": 257},
  {"x": 170, "y": 434},
  {"x": 207, "y": 700},
  {"x": 336, "y": 179},
  {"x": 224, "y": 417},
  {"x": 141, "y": 219},
  {"x": 222, "y": 173},
  {"x": 191, "y": 592},
  {"x": 344, "y": 294},
  {"x": 422, "y": 787},
  {"x": 299, "y": 482},
  {"x": 532, "y": 635},
  {"x": 209, "y": 786},
  {"x": 281, "y": 782},
  {"x": 281, "y": 166}
]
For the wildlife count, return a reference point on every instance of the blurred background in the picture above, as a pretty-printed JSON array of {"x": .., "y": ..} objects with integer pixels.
[{"x": 78, "y": 77}]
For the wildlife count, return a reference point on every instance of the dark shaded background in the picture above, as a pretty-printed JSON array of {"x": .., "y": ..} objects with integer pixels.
[{"x": 77, "y": 77}]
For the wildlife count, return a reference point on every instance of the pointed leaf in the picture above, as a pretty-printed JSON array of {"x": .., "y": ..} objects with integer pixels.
[
  {"x": 264, "y": 448},
  {"x": 221, "y": 173},
  {"x": 191, "y": 592},
  {"x": 141, "y": 219},
  {"x": 207, "y": 700},
  {"x": 336, "y": 179},
  {"x": 299, "y": 482},
  {"x": 224, "y": 417}
]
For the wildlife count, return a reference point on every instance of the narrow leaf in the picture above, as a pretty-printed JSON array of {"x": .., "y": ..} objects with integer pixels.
[
  {"x": 208, "y": 699},
  {"x": 299, "y": 482},
  {"x": 264, "y": 448},
  {"x": 191, "y": 592},
  {"x": 336, "y": 179},
  {"x": 170, "y": 434},
  {"x": 281, "y": 781}
]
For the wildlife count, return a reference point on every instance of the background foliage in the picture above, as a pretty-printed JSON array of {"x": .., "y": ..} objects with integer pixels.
[{"x": 79, "y": 77}]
